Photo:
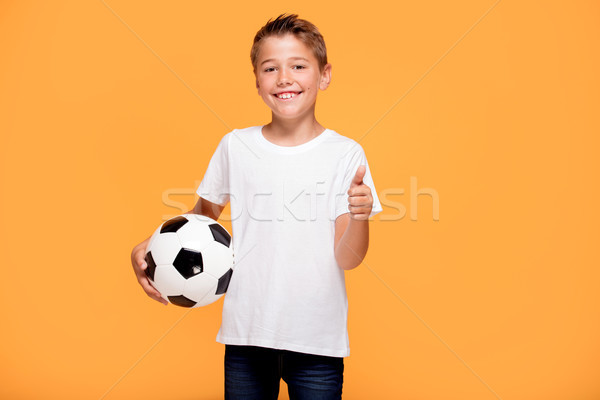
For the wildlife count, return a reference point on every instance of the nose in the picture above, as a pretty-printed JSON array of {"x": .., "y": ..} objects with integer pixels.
[{"x": 283, "y": 78}]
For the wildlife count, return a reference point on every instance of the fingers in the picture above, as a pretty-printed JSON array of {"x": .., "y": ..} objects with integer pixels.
[
  {"x": 147, "y": 286},
  {"x": 139, "y": 267},
  {"x": 360, "y": 200},
  {"x": 140, "y": 259},
  {"x": 356, "y": 190},
  {"x": 360, "y": 207},
  {"x": 151, "y": 291},
  {"x": 358, "y": 177},
  {"x": 362, "y": 212},
  {"x": 359, "y": 216},
  {"x": 360, "y": 197}
]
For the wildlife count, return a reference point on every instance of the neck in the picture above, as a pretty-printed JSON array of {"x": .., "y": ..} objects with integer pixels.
[{"x": 289, "y": 132}]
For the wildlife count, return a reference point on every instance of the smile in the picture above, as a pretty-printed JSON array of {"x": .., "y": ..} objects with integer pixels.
[{"x": 287, "y": 95}]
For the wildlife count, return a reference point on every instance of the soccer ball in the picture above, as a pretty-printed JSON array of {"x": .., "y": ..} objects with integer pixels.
[{"x": 190, "y": 260}]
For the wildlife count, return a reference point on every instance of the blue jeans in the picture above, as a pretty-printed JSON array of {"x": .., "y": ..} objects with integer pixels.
[{"x": 254, "y": 373}]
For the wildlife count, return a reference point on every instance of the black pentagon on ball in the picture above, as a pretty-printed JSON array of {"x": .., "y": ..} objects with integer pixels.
[
  {"x": 224, "y": 282},
  {"x": 220, "y": 234},
  {"x": 173, "y": 224},
  {"x": 188, "y": 263},
  {"x": 181, "y": 301},
  {"x": 151, "y": 266}
]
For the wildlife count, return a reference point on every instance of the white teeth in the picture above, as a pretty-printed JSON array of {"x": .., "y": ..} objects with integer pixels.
[{"x": 286, "y": 95}]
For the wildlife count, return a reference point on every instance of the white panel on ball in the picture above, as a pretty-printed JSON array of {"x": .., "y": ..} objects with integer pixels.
[
  {"x": 153, "y": 237},
  {"x": 168, "y": 281},
  {"x": 165, "y": 250},
  {"x": 218, "y": 259},
  {"x": 197, "y": 287},
  {"x": 194, "y": 235}
]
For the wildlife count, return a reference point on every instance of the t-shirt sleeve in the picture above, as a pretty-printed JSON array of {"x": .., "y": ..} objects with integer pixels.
[
  {"x": 350, "y": 164},
  {"x": 215, "y": 184}
]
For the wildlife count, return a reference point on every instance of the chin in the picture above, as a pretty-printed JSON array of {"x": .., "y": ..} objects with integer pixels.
[{"x": 292, "y": 115}]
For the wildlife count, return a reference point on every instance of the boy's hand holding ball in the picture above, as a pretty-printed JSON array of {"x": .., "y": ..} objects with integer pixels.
[
  {"x": 359, "y": 196},
  {"x": 139, "y": 266}
]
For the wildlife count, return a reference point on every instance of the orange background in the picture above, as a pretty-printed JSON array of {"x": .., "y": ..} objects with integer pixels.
[{"x": 107, "y": 106}]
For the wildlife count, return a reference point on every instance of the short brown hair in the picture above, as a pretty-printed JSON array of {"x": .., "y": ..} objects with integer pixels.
[{"x": 303, "y": 30}]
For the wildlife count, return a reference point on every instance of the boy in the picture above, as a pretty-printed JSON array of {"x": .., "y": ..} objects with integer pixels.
[{"x": 301, "y": 196}]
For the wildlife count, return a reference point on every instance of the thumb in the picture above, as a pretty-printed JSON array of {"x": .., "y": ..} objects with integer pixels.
[{"x": 358, "y": 177}]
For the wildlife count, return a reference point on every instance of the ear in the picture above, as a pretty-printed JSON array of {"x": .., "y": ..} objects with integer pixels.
[{"x": 325, "y": 77}]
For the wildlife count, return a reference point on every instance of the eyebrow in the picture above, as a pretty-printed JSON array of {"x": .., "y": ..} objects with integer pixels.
[{"x": 291, "y": 58}]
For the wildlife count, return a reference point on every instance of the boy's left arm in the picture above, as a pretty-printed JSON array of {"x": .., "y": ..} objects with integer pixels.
[{"x": 352, "y": 229}]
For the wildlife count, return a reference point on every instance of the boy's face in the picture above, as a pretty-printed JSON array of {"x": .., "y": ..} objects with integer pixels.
[{"x": 286, "y": 65}]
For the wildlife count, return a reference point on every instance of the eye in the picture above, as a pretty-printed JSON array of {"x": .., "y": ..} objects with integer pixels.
[
  {"x": 269, "y": 69},
  {"x": 299, "y": 66}
]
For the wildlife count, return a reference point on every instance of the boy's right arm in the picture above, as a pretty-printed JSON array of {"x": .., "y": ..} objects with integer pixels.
[{"x": 202, "y": 207}]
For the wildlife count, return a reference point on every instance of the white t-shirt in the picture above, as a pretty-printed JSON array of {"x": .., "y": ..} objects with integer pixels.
[{"x": 286, "y": 291}]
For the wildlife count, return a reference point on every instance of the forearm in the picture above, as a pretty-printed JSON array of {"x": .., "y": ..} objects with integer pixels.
[
  {"x": 207, "y": 208},
  {"x": 353, "y": 245}
]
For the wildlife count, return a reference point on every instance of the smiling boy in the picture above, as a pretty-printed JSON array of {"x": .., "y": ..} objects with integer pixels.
[
  {"x": 301, "y": 197},
  {"x": 288, "y": 78}
]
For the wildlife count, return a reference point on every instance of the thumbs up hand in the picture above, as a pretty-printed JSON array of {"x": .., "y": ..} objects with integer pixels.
[{"x": 359, "y": 196}]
